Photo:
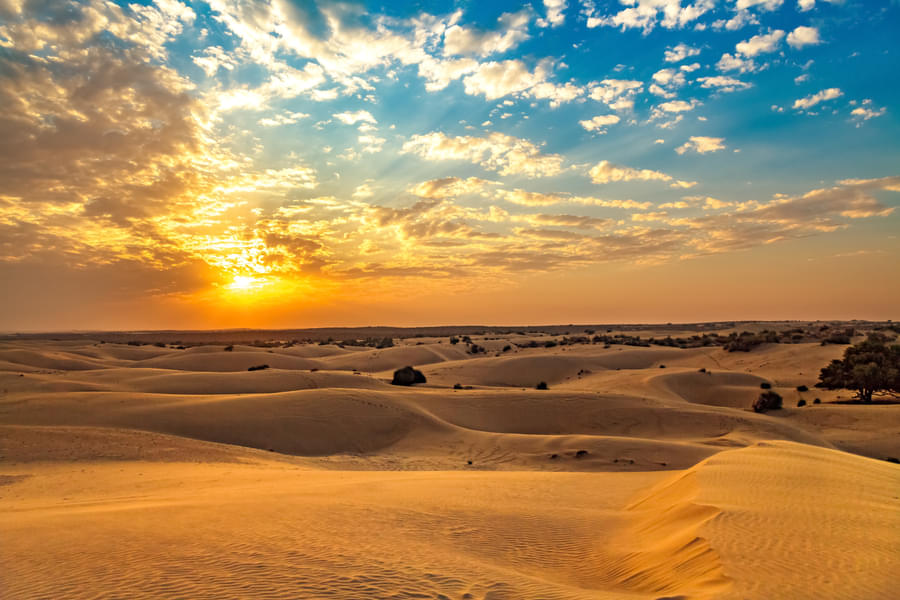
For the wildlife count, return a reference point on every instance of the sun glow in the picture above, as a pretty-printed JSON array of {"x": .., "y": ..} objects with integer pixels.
[{"x": 243, "y": 283}]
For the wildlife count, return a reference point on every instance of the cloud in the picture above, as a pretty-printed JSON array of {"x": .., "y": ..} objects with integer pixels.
[
  {"x": 647, "y": 14},
  {"x": 450, "y": 187},
  {"x": 363, "y": 191},
  {"x": 525, "y": 198},
  {"x": 864, "y": 113},
  {"x": 803, "y": 36},
  {"x": 735, "y": 62},
  {"x": 606, "y": 172},
  {"x": 679, "y": 52},
  {"x": 555, "y": 16},
  {"x": 767, "y": 5},
  {"x": 701, "y": 145},
  {"x": 512, "y": 28},
  {"x": 760, "y": 44},
  {"x": 723, "y": 83},
  {"x": 813, "y": 99},
  {"x": 505, "y": 154},
  {"x": 287, "y": 118},
  {"x": 512, "y": 77},
  {"x": 599, "y": 123},
  {"x": 352, "y": 118},
  {"x": 618, "y": 94}
]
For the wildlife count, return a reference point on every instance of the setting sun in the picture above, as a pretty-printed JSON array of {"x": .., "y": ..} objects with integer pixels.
[{"x": 243, "y": 283}]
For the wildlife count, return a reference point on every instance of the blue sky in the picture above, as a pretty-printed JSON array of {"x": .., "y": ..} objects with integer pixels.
[{"x": 248, "y": 150}]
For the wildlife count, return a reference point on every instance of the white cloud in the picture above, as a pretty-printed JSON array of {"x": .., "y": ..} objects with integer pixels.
[
  {"x": 701, "y": 145},
  {"x": 555, "y": 16},
  {"x": 618, "y": 94},
  {"x": 803, "y": 36},
  {"x": 512, "y": 29},
  {"x": 801, "y": 78},
  {"x": 511, "y": 77},
  {"x": 768, "y": 5},
  {"x": 812, "y": 100},
  {"x": 735, "y": 63},
  {"x": 863, "y": 113},
  {"x": 599, "y": 123},
  {"x": 760, "y": 44},
  {"x": 669, "y": 77},
  {"x": 677, "y": 106},
  {"x": 606, "y": 172},
  {"x": 680, "y": 52},
  {"x": 352, "y": 118},
  {"x": 287, "y": 118},
  {"x": 505, "y": 154},
  {"x": 805, "y": 5},
  {"x": 724, "y": 83},
  {"x": 363, "y": 191},
  {"x": 647, "y": 14}
]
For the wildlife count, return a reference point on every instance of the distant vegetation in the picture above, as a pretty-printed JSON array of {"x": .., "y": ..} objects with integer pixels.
[
  {"x": 258, "y": 368},
  {"x": 408, "y": 376},
  {"x": 869, "y": 367},
  {"x": 768, "y": 400}
]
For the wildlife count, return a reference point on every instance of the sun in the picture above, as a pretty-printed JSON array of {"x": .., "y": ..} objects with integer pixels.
[{"x": 244, "y": 283}]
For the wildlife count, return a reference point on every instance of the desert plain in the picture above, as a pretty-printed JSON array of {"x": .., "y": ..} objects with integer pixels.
[{"x": 170, "y": 470}]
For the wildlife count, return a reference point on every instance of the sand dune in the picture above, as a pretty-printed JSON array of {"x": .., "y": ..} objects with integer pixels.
[{"x": 161, "y": 472}]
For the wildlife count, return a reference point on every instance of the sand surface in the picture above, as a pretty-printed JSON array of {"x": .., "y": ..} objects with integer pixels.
[{"x": 149, "y": 472}]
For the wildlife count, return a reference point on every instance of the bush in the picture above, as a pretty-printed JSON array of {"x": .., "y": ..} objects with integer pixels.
[
  {"x": 768, "y": 400},
  {"x": 457, "y": 386},
  {"x": 817, "y": 401},
  {"x": 258, "y": 368},
  {"x": 507, "y": 348},
  {"x": 229, "y": 348},
  {"x": 802, "y": 388},
  {"x": 702, "y": 370},
  {"x": 549, "y": 344},
  {"x": 801, "y": 403},
  {"x": 662, "y": 366},
  {"x": 454, "y": 340},
  {"x": 542, "y": 386},
  {"x": 766, "y": 385},
  {"x": 408, "y": 376}
]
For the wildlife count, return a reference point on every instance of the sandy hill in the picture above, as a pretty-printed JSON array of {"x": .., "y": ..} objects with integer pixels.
[{"x": 146, "y": 471}]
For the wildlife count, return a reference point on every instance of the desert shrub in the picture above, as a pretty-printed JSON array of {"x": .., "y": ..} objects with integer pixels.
[
  {"x": 549, "y": 344},
  {"x": 454, "y": 340},
  {"x": 542, "y": 386},
  {"x": 457, "y": 386},
  {"x": 581, "y": 454},
  {"x": 817, "y": 401},
  {"x": 801, "y": 403},
  {"x": 766, "y": 385},
  {"x": 507, "y": 348},
  {"x": 229, "y": 348},
  {"x": 802, "y": 388},
  {"x": 868, "y": 367},
  {"x": 159, "y": 344},
  {"x": 768, "y": 400},
  {"x": 258, "y": 368},
  {"x": 408, "y": 376},
  {"x": 702, "y": 370},
  {"x": 662, "y": 366}
]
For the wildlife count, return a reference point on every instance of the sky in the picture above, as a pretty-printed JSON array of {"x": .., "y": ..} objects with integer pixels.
[{"x": 285, "y": 163}]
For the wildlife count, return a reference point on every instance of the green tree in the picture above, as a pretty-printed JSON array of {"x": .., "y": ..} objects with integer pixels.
[{"x": 868, "y": 367}]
